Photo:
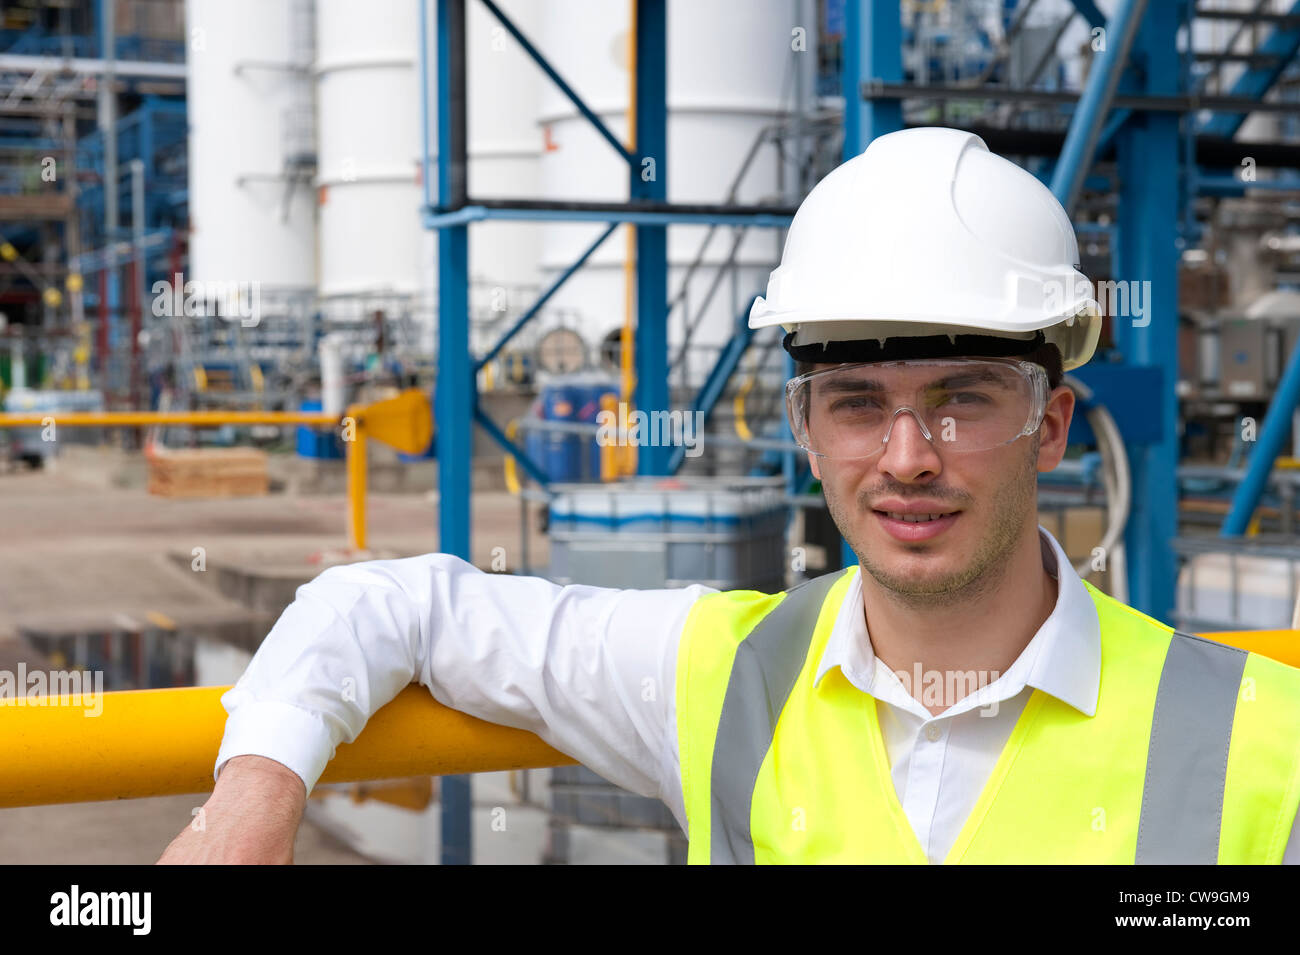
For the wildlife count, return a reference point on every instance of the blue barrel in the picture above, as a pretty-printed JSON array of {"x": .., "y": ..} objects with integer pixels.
[
  {"x": 321, "y": 443},
  {"x": 568, "y": 457}
]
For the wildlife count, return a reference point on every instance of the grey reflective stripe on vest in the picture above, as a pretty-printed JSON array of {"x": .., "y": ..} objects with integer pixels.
[
  {"x": 1187, "y": 760},
  {"x": 766, "y": 666}
]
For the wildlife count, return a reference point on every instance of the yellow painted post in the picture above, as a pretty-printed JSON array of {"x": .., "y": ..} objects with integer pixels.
[
  {"x": 356, "y": 445},
  {"x": 609, "y": 451},
  {"x": 165, "y": 742}
]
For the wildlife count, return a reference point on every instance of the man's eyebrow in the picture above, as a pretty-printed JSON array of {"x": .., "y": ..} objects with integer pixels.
[
  {"x": 969, "y": 378},
  {"x": 956, "y": 380},
  {"x": 840, "y": 383}
]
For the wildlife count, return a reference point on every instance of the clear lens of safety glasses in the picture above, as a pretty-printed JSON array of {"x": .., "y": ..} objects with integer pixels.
[{"x": 960, "y": 404}]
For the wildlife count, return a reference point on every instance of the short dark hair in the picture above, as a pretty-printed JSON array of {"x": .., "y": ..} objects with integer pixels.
[{"x": 1046, "y": 354}]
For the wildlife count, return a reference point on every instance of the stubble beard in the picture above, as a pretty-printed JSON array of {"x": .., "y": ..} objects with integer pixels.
[{"x": 987, "y": 567}]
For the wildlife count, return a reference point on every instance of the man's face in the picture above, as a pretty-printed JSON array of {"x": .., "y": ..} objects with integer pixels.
[{"x": 988, "y": 498}]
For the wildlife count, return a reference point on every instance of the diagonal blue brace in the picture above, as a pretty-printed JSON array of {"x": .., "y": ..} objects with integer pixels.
[
  {"x": 1276, "y": 429},
  {"x": 716, "y": 382},
  {"x": 1088, "y": 10},
  {"x": 512, "y": 449},
  {"x": 564, "y": 87},
  {"x": 1283, "y": 44},
  {"x": 1094, "y": 104},
  {"x": 543, "y": 298}
]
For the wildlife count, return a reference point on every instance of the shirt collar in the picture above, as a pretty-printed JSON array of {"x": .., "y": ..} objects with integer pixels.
[{"x": 1063, "y": 658}]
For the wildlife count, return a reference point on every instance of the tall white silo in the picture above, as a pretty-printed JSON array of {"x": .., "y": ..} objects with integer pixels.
[
  {"x": 503, "y": 87},
  {"x": 729, "y": 75},
  {"x": 372, "y": 242},
  {"x": 252, "y": 215},
  {"x": 368, "y": 142}
]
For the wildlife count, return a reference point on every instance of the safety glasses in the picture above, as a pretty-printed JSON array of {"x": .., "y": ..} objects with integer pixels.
[{"x": 960, "y": 404}]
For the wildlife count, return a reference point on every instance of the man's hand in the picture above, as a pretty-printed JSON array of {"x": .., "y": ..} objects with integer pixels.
[{"x": 251, "y": 817}]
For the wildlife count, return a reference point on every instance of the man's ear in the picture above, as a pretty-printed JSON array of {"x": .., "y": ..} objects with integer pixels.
[
  {"x": 812, "y": 464},
  {"x": 1055, "y": 430}
]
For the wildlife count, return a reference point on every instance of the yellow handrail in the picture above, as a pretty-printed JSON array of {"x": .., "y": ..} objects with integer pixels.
[
  {"x": 510, "y": 464},
  {"x": 201, "y": 419},
  {"x": 1281, "y": 645},
  {"x": 404, "y": 422},
  {"x": 137, "y": 743},
  {"x": 165, "y": 742}
]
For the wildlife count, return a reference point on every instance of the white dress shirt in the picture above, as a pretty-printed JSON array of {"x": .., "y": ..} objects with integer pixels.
[{"x": 591, "y": 671}]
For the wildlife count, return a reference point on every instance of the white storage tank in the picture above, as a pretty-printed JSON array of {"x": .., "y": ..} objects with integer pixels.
[
  {"x": 372, "y": 242},
  {"x": 727, "y": 64},
  {"x": 249, "y": 222},
  {"x": 368, "y": 147}
]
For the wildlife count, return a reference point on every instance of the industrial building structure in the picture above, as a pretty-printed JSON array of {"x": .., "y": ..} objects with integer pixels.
[{"x": 536, "y": 211}]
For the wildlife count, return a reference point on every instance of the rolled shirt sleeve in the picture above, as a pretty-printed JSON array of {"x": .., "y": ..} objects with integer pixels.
[{"x": 590, "y": 670}]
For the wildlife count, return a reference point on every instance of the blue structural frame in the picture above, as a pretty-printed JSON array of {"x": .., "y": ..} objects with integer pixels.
[
  {"x": 456, "y": 406},
  {"x": 1147, "y": 145}
]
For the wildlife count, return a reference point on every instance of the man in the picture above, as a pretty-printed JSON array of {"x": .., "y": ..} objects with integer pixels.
[{"x": 961, "y": 697}]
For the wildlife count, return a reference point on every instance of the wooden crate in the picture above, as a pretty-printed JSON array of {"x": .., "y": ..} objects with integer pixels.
[{"x": 209, "y": 472}]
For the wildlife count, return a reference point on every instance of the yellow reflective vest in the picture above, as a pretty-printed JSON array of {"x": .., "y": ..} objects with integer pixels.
[{"x": 1193, "y": 755}]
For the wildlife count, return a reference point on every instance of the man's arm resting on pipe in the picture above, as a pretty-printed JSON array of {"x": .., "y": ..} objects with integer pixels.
[{"x": 251, "y": 818}]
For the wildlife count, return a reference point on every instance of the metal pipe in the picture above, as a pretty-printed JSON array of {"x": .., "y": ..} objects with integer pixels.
[
  {"x": 165, "y": 742},
  {"x": 425, "y": 180},
  {"x": 1094, "y": 104}
]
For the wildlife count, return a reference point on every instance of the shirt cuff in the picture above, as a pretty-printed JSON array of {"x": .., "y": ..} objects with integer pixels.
[{"x": 292, "y": 736}]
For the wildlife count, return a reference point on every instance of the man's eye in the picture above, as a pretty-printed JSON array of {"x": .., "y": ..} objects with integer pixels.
[
  {"x": 963, "y": 398},
  {"x": 860, "y": 403}
]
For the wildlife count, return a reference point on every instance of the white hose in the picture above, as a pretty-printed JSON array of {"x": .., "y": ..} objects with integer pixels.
[{"x": 1118, "y": 482}]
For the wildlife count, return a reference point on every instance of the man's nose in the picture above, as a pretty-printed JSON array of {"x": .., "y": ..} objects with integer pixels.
[{"x": 908, "y": 455}]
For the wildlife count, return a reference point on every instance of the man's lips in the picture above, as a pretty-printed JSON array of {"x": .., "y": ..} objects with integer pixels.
[{"x": 894, "y": 518}]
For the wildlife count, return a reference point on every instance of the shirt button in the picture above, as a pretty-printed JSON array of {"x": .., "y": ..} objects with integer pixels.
[{"x": 933, "y": 732}]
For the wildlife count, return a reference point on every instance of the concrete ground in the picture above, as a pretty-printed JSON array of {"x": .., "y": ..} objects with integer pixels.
[{"x": 81, "y": 554}]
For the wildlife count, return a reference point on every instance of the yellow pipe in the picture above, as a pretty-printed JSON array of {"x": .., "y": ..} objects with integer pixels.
[
  {"x": 356, "y": 452},
  {"x": 511, "y": 465},
  {"x": 738, "y": 407},
  {"x": 110, "y": 419},
  {"x": 609, "y": 469},
  {"x": 165, "y": 742},
  {"x": 1281, "y": 645}
]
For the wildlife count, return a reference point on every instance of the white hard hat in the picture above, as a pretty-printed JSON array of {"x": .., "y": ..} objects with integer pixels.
[{"x": 928, "y": 233}]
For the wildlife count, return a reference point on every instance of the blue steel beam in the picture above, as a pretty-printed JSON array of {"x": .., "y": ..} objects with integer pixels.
[
  {"x": 1226, "y": 184},
  {"x": 873, "y": 52},
  {"x": 558, "y": 80},
  {"x": 1088, "y": 10},
  {"x": 649, "y": 180},
  {"x": 1272, "y": 436},
  {"x": 1148, "y": 156},
  {"x": 1094, "y": 103},
  {"x": 716, "y": 382},
  {"x": 544, "y": 298},
  {"x": 454, "y": 401},
  {"x": 1283, "y": 43}
]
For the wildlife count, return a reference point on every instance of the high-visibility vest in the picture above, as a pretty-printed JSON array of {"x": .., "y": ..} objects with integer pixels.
[{"x": 1193, "y": 755}]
